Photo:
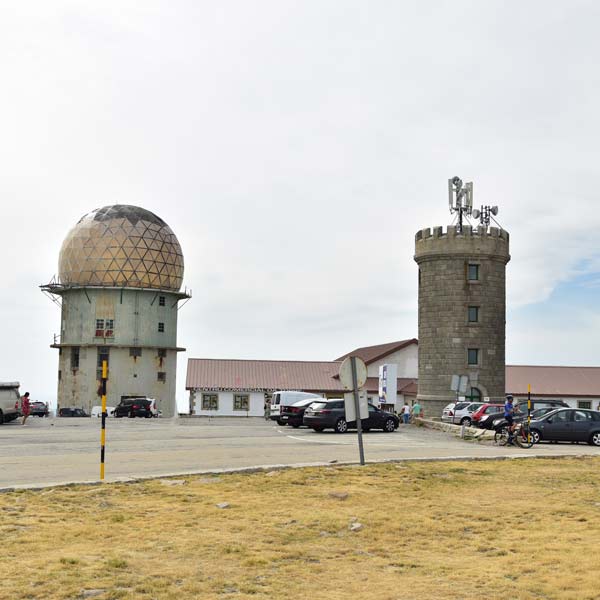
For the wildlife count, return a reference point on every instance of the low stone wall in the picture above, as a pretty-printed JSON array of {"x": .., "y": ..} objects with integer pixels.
[{"x": 470, "y": 433}]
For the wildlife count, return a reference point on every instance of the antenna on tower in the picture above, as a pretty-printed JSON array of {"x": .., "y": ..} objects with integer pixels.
[{"x": 460, "y": 198}]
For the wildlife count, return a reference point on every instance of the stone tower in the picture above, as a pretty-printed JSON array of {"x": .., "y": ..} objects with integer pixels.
[
  {"x": 119, "y": 286},
  {"x": 462, "y": 312}
]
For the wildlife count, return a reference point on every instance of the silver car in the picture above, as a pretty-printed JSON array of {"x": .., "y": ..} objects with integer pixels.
[{"x": 460, "y": 413}]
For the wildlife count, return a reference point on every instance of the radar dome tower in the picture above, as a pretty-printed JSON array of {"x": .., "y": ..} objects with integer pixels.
[
  {"x": 462, "y": 304},
  {"x": 120, "y": 275}
]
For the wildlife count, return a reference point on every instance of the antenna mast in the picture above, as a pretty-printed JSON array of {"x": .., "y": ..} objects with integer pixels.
[{"x": 460, "y": 199}]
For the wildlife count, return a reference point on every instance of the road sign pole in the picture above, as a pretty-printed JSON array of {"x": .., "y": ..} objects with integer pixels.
[{"x": 357, "y": 410}]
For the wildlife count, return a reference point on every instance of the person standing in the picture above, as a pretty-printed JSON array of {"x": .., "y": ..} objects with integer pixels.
[
  {"x": 25, "y": 407},
  {"x": 406, "y": 413},
  {"x": 417, "y": 410}
]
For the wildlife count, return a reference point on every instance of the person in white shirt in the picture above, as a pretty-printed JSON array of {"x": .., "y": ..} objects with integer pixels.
[{"x": 406, "y": 413}]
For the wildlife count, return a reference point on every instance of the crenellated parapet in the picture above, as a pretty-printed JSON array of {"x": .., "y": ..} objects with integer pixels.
[{"x": 492, "y": 242}]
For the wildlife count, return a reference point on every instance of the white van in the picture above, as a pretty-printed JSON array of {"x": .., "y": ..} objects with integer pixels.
[
  {"x": 9, "y": 401},
  {"x": 287, "y": 398}
]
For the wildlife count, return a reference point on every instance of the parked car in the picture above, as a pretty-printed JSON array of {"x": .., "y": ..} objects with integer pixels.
[
  {"x": 331, "y": 414},
  {"x": 72, "y": 412},
  {"x": 284, "y": 399},
  {"x": 568, "y": 425},
  {"x": 136, "y": 407},
  {"x": 484, "y": 413},
  {"x": 9, "y": 401},
  {"x": 97, "y": 411},
  {"x": 460, "y": 412},
  {"x": 38, "y": 409},
  {"x": 293, "y": 415}
]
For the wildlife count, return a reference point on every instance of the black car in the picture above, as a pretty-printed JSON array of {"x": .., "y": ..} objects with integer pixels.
[
  {"x": 72, "y": 412},
  {"x": 38, "y": 409},
  {"x": 568, "y": 425},
  {"x": 134, "y": 407},
  {"x": 294, "y": 414},
  {"x": 331, "y": 414}
]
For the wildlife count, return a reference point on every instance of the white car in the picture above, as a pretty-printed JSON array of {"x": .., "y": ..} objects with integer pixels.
[
  {"x": 97, "y": 411},
  {"x": 460, "y": 413}
]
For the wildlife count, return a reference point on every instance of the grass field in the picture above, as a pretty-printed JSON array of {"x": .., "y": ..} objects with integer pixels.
[{"x": 486, "y": 529}]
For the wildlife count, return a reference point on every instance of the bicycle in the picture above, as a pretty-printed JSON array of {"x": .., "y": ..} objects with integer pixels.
[{"x": 521, "y": 435}]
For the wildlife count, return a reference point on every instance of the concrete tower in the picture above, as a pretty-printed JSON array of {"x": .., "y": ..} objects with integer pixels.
[
  {"x": 462, "y": 312},
  {"x": 120, "y": 275}
]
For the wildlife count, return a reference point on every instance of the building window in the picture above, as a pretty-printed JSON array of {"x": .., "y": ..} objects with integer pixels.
[
  {"x": 109, "y": 327},
  {"x": 473, "y": 314},
  {"x": 241, "y": 402},
  {"x": 162, "y": 353},
  {"x": 210, "y": 402},
  {"x": 473, "y": 272},
  {"x": 99, "y": 327},
  {"x": 75, "y": 358},
  {"x": 161, "y": 300},
  {"x": 135, "y": 352},
  {"x": 59, "y": 374},
  {"x": 161, "y": 376},
  {"x": 161, "y": 327},
  {"x": 103, "y": 355},
  {"x": 473, "y": 356},
  {"x": 584, "y": 404}
]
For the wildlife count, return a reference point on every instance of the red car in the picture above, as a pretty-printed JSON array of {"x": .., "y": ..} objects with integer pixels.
[{"x": 486, "y": 414}]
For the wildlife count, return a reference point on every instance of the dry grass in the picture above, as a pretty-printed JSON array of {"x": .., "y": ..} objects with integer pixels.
[{"x": 510, "y": 529}]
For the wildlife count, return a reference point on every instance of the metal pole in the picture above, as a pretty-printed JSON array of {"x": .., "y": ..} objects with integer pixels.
[
  {"x": 103, "y": 431},
  {"x": 357, "y": 410}
]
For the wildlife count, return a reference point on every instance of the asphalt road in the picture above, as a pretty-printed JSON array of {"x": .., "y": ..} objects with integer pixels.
[{"x": 64, "y": 450}]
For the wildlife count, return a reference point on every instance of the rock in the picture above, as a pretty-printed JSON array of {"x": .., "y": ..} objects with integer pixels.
[
  {"x": 223, "y": 505},
  {"x": 92, "y": 593},
  {"x": 173, "y": 481},
  {"x": 355, "y": 526},
  {"x": 273, "y": 473},
  {"x": 339, "y": 495}
]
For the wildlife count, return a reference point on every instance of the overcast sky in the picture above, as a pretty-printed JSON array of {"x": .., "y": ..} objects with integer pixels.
[{"x": 295, "y": 148}]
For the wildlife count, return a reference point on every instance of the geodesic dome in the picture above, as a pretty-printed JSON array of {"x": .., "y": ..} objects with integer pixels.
[{"x": 121, "y": 246}]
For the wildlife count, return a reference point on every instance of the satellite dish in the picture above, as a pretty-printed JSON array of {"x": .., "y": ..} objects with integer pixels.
[
  {"x": 494, "y": 210},
  {"x": 475, "y": 213}
]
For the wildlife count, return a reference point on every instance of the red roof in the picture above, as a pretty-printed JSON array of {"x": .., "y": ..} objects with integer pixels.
[
  {"x": 405, "y": 385},
  {"x": 370, "y": 354},
  {"x": 310, "y": 376},
  {"x": 553, "y": 381}
]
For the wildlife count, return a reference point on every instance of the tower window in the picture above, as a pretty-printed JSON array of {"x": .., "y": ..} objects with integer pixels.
[
  {"x": 473, "y": 314},
  {"x": 75, "y": 358},
  {"x": 99, "y": 327},
  {"x": 161, "y": 376},
  {"x": 473, "y": 356},
  {"x": 109, "y": 327},
  {"x": 135, "y": 352},
  {"x": 161, "y": 300},
  {"x": 103, "y": 355},
  {"x": 473, "y": 272},
  {"x": 161, "y": 327}
]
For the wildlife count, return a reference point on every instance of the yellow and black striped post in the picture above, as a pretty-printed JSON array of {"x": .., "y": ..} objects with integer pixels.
[
  {"x": 528, "y": 412},
  {"x": 103, "y": 432}
]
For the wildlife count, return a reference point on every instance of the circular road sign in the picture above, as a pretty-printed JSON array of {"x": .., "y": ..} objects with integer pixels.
[{"x": 346, "y": 373}]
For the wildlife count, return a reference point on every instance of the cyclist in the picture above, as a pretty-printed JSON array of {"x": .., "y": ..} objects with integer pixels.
[{"x": 509, "y": 412}]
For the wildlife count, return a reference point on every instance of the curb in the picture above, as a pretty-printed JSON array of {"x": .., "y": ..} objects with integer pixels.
[{"x": 268, "y": 468}]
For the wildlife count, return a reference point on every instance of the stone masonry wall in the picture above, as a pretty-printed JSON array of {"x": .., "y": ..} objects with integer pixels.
[{"x": 445, "y": 293}]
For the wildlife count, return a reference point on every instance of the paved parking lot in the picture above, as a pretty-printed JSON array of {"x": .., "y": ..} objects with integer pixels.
[{"x": 50, "y": 451}]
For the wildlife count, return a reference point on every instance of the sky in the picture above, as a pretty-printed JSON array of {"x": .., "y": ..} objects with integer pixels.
[{"x": 295, "y": 148}]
